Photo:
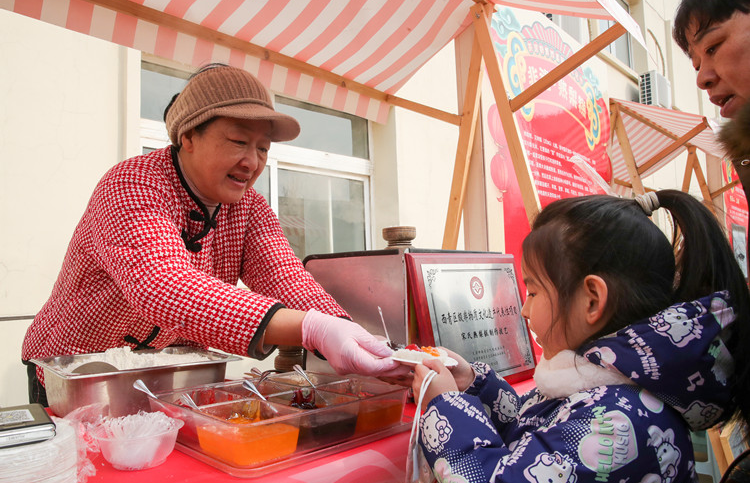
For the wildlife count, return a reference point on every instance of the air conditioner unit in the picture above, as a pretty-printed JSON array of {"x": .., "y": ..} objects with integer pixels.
[{"x": 655, "y": 90}]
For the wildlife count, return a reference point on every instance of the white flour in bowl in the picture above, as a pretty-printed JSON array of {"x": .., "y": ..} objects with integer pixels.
[{"x": 124, "y": 358}]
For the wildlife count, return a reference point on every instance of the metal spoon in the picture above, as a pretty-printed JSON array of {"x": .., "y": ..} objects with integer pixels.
[
  {"x": 298, "y": 369},
  {"x": 188, "y": 401},
  {"x": 387, "y": 337},
  {"x": 248, "y": 384},
  {"x": 141, "y": 386},
  {"x": 262, "y": 375}
]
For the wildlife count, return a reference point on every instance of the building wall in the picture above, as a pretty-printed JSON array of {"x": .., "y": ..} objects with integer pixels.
[
  {"x": 425, "y": 150},
  {"x": 69, "y": 109},
  {"x": 64, "y": 120}
]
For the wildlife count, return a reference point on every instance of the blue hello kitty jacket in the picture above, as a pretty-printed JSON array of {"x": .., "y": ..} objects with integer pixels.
[{"x": 620, "y": 411}]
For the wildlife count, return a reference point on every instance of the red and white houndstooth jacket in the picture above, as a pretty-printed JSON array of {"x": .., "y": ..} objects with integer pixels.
[{"x": 148, "y": 267}]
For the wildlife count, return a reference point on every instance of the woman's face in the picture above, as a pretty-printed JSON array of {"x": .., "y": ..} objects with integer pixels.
[
  {"x": 721, "y": 56},
  {"x": 226, "y": 158}
]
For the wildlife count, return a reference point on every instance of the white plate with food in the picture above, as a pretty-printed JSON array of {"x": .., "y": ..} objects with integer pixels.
[
  {"x": 447, "y": 362},
  {"x": 412, "y": 355}
]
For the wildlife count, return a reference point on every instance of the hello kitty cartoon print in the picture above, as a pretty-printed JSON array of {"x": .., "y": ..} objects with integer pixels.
[
  {"x": 668, "y": 454},
  {"x": 677, "y": 325},
  {"x": 700, "y": 415},
  {"x": 506, "y": 406},
  {"x": 626, "y": 417},
  {"x": 551, "y": 468},
  {"x": 436, "y": 430}
]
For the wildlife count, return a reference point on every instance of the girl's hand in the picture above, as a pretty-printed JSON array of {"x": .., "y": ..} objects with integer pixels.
[
  {"x": 463, "y": 373},
  {"x": 442, "y": 382}
]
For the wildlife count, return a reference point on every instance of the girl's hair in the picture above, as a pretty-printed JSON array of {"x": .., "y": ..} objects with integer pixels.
[
  {"x": 705, "y": 13},
  {"x": 614, "y": 239}
]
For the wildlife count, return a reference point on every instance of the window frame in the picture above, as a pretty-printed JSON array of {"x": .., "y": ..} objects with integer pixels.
[
  {"x": 303, "y": 160},
  {"x": 630, "y": 64}
]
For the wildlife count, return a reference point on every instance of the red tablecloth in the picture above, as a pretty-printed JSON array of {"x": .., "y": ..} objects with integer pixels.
[
  {"x": 383, "y": 460},
  {"x": 380, "y": 461}
]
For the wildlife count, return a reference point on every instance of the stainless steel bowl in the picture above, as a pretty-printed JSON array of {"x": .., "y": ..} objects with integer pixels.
[{"x": 114, "y": 391}]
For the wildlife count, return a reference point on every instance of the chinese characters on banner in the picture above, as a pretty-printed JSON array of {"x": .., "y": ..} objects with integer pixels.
[{"x": 562, "y": 128}]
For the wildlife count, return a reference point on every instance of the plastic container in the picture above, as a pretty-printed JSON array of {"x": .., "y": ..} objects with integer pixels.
[
  {"x": 330, "y": 418},
  {"x": 235, "y": 431},
  {"x": 247, "y": 432},
  {"x": 267, "y": 387},
  {"x": 171, "y": 404},
  {"x": 381, "y": 405},
  {"x": 294, "y": 379},
  {"x": 139, "y": 445}
]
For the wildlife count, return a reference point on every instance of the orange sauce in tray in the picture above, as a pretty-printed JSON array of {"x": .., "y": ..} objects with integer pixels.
[
  {"x": 242, "y": 443},
  {"x": 377, "y": 414}
]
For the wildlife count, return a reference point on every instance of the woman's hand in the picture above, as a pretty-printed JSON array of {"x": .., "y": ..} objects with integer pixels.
[
  {"x": 442, "y": 382},
  {"x": 347, "y": 346}
]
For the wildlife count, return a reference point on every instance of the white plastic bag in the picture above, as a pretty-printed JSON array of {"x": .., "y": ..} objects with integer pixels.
[
  {"x": 81, "y": 418},
  {"x": 417, "y": 468}
]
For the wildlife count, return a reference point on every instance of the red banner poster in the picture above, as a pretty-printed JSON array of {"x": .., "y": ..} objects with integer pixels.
[
  {"x": 564, "y": 130},
  {"x": 736, "y": 215}
]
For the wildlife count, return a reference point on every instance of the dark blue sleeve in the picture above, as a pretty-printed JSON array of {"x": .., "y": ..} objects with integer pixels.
[
  {"x": 497, "y": 396},
  {"x": 604, "y": 434}
]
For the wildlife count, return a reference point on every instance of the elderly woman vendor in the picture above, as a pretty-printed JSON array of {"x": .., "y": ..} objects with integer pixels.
[{"x": 156, "y": 257}]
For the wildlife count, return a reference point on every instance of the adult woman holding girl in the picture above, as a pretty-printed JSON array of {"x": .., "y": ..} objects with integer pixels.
[
  {"x": 643, "y": 340},
  {"x": 166, "y": 236}
]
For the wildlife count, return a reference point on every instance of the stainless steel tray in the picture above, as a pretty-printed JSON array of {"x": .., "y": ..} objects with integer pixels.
[{"x": 113, "y": 391}]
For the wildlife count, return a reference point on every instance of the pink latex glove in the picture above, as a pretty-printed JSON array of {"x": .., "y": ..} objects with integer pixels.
[{"x": 346, "y": 345}]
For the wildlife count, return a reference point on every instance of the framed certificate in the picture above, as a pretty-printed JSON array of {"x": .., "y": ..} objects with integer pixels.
[
  {"x": 469, "y": 303},
  {"x": 739, "y": 245}
]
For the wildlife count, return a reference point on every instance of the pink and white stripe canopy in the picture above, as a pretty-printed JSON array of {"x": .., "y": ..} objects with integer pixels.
[
  {"x": 375, "y": 43},
  {"x": 645, "y": 141}
]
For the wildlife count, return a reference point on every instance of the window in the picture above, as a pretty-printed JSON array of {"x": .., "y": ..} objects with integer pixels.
[
  {"x": 318, "y": 184},
  {"x": 620, "y": 48},
  {"x": 325, "y": 129},
  {"x": 573, "y": 26},
  {"x": 158, "y": 86},
  {"x": 321, "y": 214}
]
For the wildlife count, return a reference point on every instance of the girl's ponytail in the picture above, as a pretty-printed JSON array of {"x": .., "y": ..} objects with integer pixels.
[{"x": 705, "y": 263}]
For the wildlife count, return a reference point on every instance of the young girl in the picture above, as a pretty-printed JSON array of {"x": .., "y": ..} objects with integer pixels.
[{"x": 639, "y": 348}]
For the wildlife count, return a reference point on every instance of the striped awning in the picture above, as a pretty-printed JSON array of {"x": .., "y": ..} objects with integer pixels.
[
  {"x": 651, "y": 130},
  {"x": 349, "y": 55},
  {"x": 597, "y": 9}
]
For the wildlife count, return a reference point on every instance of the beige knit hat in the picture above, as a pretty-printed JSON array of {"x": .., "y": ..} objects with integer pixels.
[{"x": 229, "y": 92}]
